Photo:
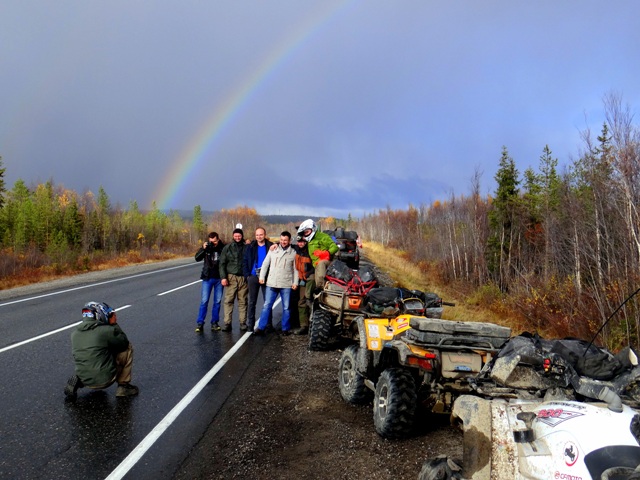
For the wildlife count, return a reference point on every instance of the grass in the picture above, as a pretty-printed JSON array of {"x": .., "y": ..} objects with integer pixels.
[
  {"x": 22, "y": 274},
  {"x": 469, "y": 306}
]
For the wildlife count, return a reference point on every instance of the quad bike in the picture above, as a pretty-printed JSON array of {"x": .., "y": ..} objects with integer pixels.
[
  {"x": 548, "y": 409},
  {"x": 347, "y": 241},
  {"x": 411, "y": 361},
  {"x": 348, "y": 296}
]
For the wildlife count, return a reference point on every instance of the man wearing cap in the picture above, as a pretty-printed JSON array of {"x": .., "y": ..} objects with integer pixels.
[
  {"x": 102, "y": 353},
  {"x": 233, "y": 280}
]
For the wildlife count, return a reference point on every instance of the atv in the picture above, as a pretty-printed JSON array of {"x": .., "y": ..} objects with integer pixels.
[
  {"x": 548, "y": 409},
  {"x": 347, "y": 241},
  {"x": 410, "y": 361},
  {"x": 349, "y": 294}
]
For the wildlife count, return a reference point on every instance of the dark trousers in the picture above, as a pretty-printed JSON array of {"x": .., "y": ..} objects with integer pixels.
[{"x": 254, "y": 289}]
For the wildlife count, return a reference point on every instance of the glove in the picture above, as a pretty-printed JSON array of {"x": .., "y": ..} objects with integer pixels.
[{"x": 322, "y": 254}]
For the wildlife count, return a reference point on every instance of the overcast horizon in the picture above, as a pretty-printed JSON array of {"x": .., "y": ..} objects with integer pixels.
[{"x": 305, "y": 107}]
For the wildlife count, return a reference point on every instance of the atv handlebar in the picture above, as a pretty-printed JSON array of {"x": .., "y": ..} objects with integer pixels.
[{"x": 449, "y": 304}]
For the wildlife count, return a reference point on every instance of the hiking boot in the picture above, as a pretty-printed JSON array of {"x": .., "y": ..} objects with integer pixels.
[
  {"x": 243, "y": 328},
  {"x": 269, "y": 329},
  {"x": 215, "y": 327},
  {"x": 258, "y": 332},
  {"x": 301, "y": 331},
  {"x": 126, "y": 390},
  {"x": 226, "y": 328},
  {"x": 199, "y": 328},
  {"x": 71, "y": 388}
]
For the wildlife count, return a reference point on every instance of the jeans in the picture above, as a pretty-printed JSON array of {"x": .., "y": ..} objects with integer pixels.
[
  {"x": 270, "y": 299},
  {"x": 254, "y": 290},
  {"x": 207, "y": 286}
]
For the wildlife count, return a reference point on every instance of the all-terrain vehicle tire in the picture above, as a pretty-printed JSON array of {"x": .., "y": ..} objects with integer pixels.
[
  {"x": 395, "y": 403},
  {"x": 351, "y": 383},
  {"x": 440, "y": 468},
  {"x": 320, "y": 329}
]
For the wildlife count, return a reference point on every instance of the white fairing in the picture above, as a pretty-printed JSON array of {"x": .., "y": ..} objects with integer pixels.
[
  {"x": 565, "y": 434},
  {"x": 568, "y": 440}
]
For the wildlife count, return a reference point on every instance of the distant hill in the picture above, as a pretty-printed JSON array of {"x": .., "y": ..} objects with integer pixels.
[
  {"x": 270, "y": 219},
  {"x": 284, "y": 219}
]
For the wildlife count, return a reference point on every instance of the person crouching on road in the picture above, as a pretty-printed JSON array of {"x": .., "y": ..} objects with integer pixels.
[
  {"x": 102, "y": 353},
  {"x": 280, "y": 273}
]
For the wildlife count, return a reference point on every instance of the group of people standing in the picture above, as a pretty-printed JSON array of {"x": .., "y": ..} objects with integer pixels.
[{"x": 241, "y": 270}]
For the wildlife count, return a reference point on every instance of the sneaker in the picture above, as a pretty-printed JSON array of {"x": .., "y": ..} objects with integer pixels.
[
  {"x": 243, "y": 328},
  {"x": 126, "y": 390},
  {"x": 301, "y": 331},
  {"x": 71, "y": 389},
  {"x": 215, "y": 327},
  {"x": 226, "y": 328},
  {"x": 199, "y": 328}
]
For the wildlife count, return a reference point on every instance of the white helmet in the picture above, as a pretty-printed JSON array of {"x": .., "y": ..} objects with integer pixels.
[{"x": 306, "y": 225}]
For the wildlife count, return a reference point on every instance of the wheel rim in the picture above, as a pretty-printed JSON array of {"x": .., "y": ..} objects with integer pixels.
[
  {"x": 347, "y": 373},
  {"x": 382, "y": 401}
]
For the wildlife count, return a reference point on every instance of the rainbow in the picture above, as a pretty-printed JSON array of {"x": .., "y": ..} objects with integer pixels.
[{"x": 202, "y": 142}]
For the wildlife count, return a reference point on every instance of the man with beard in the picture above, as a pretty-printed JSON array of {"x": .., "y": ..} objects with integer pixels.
[{"x": 234, "y": 281}]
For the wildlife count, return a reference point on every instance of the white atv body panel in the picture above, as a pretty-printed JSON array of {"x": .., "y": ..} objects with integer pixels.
[{"x": 564, "y": 433}]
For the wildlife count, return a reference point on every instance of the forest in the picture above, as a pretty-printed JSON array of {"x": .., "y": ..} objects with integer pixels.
[{"x": 561, "y": 249}]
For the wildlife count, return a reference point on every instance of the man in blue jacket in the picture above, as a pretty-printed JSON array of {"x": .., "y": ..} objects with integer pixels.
[{"x": 254, "y": 255}]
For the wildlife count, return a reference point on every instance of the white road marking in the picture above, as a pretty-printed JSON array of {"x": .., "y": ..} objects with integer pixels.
[
  {"x": 94, "y": 285},
  {"x": 178, "y": 288},
  {"x": 14, "y": 345},
  {"x": 146, "y": 443}
]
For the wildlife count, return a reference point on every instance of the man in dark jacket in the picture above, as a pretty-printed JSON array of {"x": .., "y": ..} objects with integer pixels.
[
  {"x": 254, "y": 255},
  {"x": 209, "y": 253},
  {"x": 102, "y": 353},
  {"x": 233, "y": 280}
]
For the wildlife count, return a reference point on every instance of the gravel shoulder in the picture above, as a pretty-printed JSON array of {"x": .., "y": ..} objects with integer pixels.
[{"x": 286, "y": 419}]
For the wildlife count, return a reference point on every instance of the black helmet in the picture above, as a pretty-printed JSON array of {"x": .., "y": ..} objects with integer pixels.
[{"x": 101, "y": 312}]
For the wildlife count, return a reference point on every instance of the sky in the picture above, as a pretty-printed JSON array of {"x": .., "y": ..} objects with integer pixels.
[{"x": 306, "y": 107}]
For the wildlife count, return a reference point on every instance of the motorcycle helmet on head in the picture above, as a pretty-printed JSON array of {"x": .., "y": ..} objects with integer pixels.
[
  {"x": 307, "y": 224},
  {"x": 101, "y": 312}
]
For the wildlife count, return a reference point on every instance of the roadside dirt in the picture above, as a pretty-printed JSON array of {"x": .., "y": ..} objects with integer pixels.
[{"x": 296, "y": 425}]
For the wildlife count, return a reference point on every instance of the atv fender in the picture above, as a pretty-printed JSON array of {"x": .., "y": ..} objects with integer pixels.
[{"x": 364, "y": 360}]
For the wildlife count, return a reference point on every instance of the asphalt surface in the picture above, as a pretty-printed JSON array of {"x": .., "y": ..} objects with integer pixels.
[{"x": 42, "y": 436}]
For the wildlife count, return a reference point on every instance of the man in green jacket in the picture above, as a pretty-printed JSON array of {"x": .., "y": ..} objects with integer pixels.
[
  {"x": 102, "y": 353},
  {"x": 233, "y": 280},
  {"x": 321, "y": 246}
]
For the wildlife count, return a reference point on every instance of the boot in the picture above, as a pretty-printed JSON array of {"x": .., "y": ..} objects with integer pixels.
[
  {"x": 126, "y": 390},
  {"x": 301, "y": 331}
]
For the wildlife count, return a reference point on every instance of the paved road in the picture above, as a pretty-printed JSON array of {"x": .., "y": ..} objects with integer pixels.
[{"x": 42, "y": 436}]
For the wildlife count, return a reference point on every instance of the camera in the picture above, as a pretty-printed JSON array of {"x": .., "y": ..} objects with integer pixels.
[{"x": 258, "y": 272}]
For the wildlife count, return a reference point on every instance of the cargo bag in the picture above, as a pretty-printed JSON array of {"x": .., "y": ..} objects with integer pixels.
[
  {"x": 380, "y": 298},
  {"x": 338, "y": 270},
  {"x": 443, "y": 333}
]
